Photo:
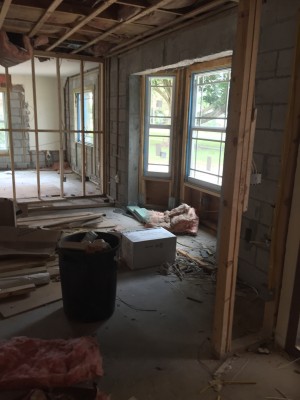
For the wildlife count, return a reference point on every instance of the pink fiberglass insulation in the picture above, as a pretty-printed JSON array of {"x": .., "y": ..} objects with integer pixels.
[
  {"x": 38, "y": 363},
  {"x": 180, "y": 220}
]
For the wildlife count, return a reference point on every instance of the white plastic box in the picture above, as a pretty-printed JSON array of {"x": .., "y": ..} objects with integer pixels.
[{"x": 148, "y": 247}]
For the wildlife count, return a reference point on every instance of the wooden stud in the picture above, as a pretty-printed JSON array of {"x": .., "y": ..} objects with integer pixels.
[
  {"x": 61, "y": 140},
  {"x": 10, "y": 136},
  {"x": 119, "y": 25},
  {"x": 44, "y": 17},
  {"x": 101, "y": 162},
  {"x": 234, "y": 171},
  {"x": 4, "y": 10},
  {"x": 285, "y": 194},
  {"x": 82, "y": 131},
  {"x": 36, "y": 129},
  {"x": 202, "y": 9},
  {"x": 68, "y": 56},
  {"x": 83, "y": 22}
]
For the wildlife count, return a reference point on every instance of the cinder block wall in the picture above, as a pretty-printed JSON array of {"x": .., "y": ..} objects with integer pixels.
[
  {"x": 276, "y": 48},
  {"x": 277, "y": 41},
  {"x": 20, "y": 120},
  {"x": 123, "y": 133}
]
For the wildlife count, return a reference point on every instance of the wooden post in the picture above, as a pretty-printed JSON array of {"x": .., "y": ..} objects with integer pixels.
[
  {"x": 10, "y": 135},
  {"x": 82, "y": 127},
  {"x": 285, "y": 194},
  {"x": 100, "y": 139},
  {"x": 235, "y": 170},
  {"x": 36, "y": 129},
  {"x": 61, "y": 141}
]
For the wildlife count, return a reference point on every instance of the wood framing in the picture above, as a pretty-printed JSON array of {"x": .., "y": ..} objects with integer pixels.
[
  {"x": 10, "y": 136},
  {"x": 235, "y": 170},
  {"x": 4, "y": 11},
  {"x": 285, "y": 193},
  {"x": 44, "y": 17},
  {"x": 36, "y": 132},
  {"x": 82, "y": 131},
  {"x": 61, "y": 140}
]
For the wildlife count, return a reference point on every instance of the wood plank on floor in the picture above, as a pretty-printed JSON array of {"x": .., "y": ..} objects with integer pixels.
[{"x": 41, "y": 296}]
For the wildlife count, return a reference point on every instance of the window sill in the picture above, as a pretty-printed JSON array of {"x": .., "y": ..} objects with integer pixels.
[
  {"x": 204, "y": 189},
  {"x": 4, "y": 153}
]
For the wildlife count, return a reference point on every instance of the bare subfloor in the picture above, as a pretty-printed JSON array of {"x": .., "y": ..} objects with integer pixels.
[{"x": 156, "y": 346}]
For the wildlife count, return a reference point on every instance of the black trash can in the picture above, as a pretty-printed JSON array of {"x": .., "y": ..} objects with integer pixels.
[{"x": 88, "y": 280}]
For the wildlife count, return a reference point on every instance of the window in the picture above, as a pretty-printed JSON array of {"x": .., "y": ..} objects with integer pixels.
[
  {"x": 158, "y": 124},
  {"x": 207, "y": 127},
  {"x": 88, "y": 104},
  {"x": 3, "y": 135}
]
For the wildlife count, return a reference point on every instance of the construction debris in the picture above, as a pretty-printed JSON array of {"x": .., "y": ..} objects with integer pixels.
[{"x": 180, "y": 220}]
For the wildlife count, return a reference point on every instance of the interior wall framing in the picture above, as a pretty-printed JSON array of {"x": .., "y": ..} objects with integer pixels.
[{"x": 25, "y": 148}]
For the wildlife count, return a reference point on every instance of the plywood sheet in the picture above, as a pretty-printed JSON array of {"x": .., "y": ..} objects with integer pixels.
[{"x": 41, "y": 296}]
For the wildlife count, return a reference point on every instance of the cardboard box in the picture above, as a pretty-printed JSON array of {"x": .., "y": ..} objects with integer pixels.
[{"x": 148, "y": 247}]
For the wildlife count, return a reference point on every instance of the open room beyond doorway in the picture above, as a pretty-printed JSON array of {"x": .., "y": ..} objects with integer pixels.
[{"x": 52, "y": 129}]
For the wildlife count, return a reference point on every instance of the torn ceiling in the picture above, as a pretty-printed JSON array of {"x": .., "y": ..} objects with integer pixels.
[{"x": 99, "y": 28}]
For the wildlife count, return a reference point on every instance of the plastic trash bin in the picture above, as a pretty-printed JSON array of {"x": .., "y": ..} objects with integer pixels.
[{"x": 88, "y": 280}]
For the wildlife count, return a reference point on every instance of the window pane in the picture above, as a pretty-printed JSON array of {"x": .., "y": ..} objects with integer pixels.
[
  {"x": 159, "y": 149},
  {"x": 160, "y": 100},
  {"x": 88, "y": 107},
  {"x": 211, "y": 99},
  {"x": 209, "y": 107},
  {"x": 158, "y": 124}
]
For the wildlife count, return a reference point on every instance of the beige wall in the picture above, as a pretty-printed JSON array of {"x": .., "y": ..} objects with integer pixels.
[{"x": 47, "y": 109}]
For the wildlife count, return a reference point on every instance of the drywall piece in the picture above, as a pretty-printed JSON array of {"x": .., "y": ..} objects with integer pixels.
[
  {"x": 42, "y": 295},
  {"x": 27, "y": 241}
]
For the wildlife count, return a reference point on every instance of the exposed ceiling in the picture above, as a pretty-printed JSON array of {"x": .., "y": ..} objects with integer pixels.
[{"x": 98, "y": 28}]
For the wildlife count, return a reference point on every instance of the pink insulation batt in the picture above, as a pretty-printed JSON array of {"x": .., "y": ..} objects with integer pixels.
[{"x": 38, "y": 363}]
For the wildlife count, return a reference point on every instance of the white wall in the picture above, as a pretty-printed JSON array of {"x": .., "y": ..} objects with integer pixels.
[
  {"x": 290, "y": 263},
  {"x": 47, "y": 109}
]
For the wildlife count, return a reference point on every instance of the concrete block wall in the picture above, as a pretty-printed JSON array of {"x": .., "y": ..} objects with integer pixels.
[
  {"x": 277, "y": 41},
  {"x": 205, "y": 38},
  {"x": 20, "y": 120},
  {"x": 276, "y": 49}
]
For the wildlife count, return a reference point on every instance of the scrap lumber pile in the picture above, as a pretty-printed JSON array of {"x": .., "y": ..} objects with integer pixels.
[
  {"x": 61, "y": 220},
  {"x": 25, "y": 254}
]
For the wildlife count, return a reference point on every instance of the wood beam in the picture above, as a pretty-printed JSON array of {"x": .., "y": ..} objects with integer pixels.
[
  {"x": 4, "y": 11},
  {"x": 44, "y": 18},
  {"x": 283, "y": 203},
  {"x": 52, "y": 54},
  {"x": 84, "y": 21},
  {"x": 200, "y": 10},
  {"x": 115, "y": 28},
  {"x": 234, "y": 171},
  {"x": 141, "y": 4}
]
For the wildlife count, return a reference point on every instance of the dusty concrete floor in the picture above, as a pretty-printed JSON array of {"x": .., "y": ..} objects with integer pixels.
[
  {"x": 165, "y": 353},
  {"x": 26, "y": 184}
]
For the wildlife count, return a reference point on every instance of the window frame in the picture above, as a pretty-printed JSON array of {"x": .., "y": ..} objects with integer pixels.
[
  {"x": 208, "y": 67},
  {"x": 147, "y": 125},
  {"x": 89, "y": 141},
  {"x": 6, "y": 150}
]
